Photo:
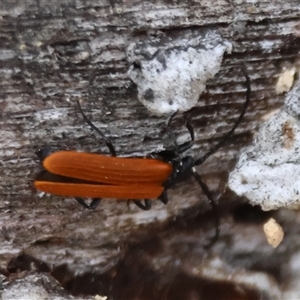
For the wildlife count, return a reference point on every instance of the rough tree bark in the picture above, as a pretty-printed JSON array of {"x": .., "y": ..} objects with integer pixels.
[{"x": 52, "y": 53}]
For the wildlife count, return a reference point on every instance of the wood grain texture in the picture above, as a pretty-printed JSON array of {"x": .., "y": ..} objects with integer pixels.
[{"x": 53, "y": 53}]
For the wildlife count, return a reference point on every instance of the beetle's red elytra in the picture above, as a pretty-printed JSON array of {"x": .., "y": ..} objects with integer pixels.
[{"x": 104, "y": 176}]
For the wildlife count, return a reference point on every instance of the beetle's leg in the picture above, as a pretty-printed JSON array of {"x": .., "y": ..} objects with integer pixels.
[
  {"x": 108, "y": 142},
  {"x": 187, "y": 145},
  {"x": 209, "y": 195},
  {"x": 164, "y": 198},
  {"x": 95, "y": 202},
  {"x": 146, "y": 206},
  {"x": 171, "y": 133},
  {"x": 238, "y": 121}
]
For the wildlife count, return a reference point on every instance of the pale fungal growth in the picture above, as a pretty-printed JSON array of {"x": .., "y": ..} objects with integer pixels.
[
  {"x": 171, "y": 71},
  {"x": 285, "y": 81},
  {"x": 274, "y": 232},
  {"x": 268, "y": 173}
]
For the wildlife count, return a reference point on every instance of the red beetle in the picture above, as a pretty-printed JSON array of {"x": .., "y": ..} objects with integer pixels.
[{"x": 77, "y": 174}]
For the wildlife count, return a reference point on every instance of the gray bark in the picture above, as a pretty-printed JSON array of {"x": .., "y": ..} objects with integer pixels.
[{"x": 53, "y": 53}]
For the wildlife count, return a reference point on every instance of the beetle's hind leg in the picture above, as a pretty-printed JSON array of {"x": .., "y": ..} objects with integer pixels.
[
  {"x": 146, "y": 206},
  {"x": 164, "y": 198},
  {"x": 95, "y": 202}
]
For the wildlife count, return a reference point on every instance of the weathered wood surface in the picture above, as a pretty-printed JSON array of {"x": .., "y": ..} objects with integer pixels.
[{"x": 52, "y": 53}]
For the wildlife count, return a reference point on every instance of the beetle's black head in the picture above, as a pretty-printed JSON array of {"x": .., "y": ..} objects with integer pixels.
[{"x": 182, "y": 169}]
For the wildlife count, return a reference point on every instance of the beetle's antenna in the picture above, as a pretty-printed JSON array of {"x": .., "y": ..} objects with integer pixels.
[
  {"x": 230, "y": 133},
  {"x": 106, "y": 139},
  {"x": 210, "y": 197}
]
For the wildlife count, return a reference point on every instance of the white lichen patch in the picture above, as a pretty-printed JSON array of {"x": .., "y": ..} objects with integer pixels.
[
  {"x": 268, "y": 173},
  {"x": 171, "y": 71},
  {"x": 51, "y": 114}
]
